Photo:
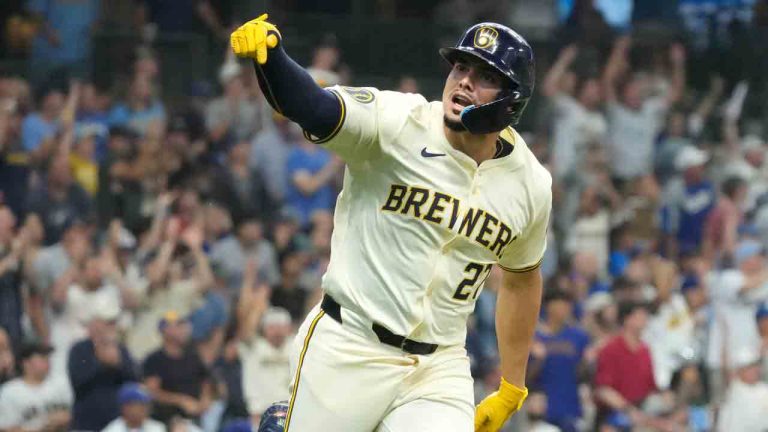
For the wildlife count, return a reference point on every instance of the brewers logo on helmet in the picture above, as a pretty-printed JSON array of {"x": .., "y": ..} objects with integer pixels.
[{"x": 507, "y": 52}]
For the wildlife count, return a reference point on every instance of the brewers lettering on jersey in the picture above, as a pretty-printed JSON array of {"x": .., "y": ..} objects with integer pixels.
[{"x": 435, "y": 194}]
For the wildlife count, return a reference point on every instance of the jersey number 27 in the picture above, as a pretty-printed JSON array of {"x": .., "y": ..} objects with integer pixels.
[{"x": 470, "y": 285}]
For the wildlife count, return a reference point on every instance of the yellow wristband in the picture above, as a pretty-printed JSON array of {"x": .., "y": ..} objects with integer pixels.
[{"x": 512, "y": 394}]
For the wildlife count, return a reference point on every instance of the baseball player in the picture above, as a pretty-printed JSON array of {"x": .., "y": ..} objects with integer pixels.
[{"x": 435, "y": 194}]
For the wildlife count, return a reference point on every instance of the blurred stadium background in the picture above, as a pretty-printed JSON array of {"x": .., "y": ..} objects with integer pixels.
[{"x": 159, "y": 225}]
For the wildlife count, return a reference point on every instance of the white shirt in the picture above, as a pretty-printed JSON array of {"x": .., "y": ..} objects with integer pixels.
[
  {"x": 733, "y": 323},
  {"x": 27, "y": 406},
  {"x": 669, "y": 332},
  {"x": 70, "y": 325},
  {"x": 632, "y": 136},
  {"x": 118, "y": 425},
  {"x": 266, "y": 373},
  {"x": 744, "y": 408},
  {"x": 575, "y": 127},
  {"x": 418, "y": 225}
]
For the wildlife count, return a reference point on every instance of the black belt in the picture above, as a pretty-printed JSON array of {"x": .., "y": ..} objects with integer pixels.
[{"x": 333, "y": 310}]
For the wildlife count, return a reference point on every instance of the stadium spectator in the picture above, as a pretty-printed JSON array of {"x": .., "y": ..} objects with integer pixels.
[
  {"x": 264, "y": 354},
  {"x": 239, "y": 189},
  {"x": 230, "y": 254},
  {"x": 179, "y": 275},
  {"x": 536, "y": 408},
  {"x": 723, "y": 222},
  {"x": 269, "y": 154},
  {"x": 74, "y": 296},
  {"x": 745, "y": 401},
  {"x": 234, "y": 117},
  {"x": 736, "y": 294},
  {"x": 12, "y": 254},
  {"x": 92, "y": 117},
  {"x": 58, "y": 200},
  {"x": 687, "y": 201},
  {"x": 311, "y": 170},
  {"x": 7, "y": 357},
  {"x": 671, "y": 334},
  {"x": 175, "y": 375},
  {"x": 408, "y": 84},
  {"x": 51, "y": 265},
  {"x": 97, "y": 367},
  {"x": 635, "y": 117},
  {"x": 64, "y": 43},
  {"x": 38, "y": 127},
  {"x": 35, "y": 401},
  {"x": 228, "y": 371},
  {"x": 142, "y": 112},
  {"x": 325, "y": 60},
  {"x": 135, "y": 404},
  {"x": 557, "y": 361},
  {"x": 292, "y": 293},
  {"x": 624, "y": 376},
  {"x": 578, "y": 119}
]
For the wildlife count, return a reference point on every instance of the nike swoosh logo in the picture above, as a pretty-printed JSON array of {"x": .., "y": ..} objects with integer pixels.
[{"x": 426, "y": 154}]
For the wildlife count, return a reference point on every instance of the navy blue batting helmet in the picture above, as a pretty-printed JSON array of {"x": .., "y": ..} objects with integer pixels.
[
  {"x": 273, "y": 419},
  {"x": 506, "y": 51}
]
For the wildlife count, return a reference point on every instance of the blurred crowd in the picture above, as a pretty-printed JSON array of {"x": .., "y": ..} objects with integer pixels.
[{"x": 156, "y": 258}]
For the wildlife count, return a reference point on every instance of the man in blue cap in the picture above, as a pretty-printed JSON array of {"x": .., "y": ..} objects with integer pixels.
[{"x": 134, "y": 404}]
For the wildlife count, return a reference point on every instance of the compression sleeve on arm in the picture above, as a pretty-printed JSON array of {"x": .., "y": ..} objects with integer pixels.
[{"x": 292, "y": 92}]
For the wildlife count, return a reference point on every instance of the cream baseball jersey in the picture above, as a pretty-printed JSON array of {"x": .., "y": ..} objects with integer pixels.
[{"x": 418, "y": 224}]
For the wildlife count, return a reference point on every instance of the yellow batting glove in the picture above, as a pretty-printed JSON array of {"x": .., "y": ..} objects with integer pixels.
[
  {"x": 495, "y": 409},
  {"x": 252, "y": 39}
]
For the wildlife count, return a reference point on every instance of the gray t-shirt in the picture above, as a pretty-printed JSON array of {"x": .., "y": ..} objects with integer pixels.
[
  {"x": 632, "y": 134},
  {"x": 269, "y": 156},
  {"x": 49, "y": 265},
  {"x": 229, "y": 258}
]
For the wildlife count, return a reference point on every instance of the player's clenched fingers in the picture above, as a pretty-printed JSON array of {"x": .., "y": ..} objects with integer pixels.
[{"x": 261, "y": 53}]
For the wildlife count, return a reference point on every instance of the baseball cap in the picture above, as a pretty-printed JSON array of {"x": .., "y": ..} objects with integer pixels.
[
  {"x": 229, "y": 70},
  {"x": 690, "y": 282},
  {"x": 103, "y": 309},
  {"x": 32, "y": 349},
  {"x": 171, "y": 317},
  {"x": 598, "y": 301},
  {"x": 745, "y": 356},
  {"x": 690, "y": 156},
  {"x": 276, "y": 316},
  {"x": 131, "y": 393},
  {"x": 747, "y": 249}
]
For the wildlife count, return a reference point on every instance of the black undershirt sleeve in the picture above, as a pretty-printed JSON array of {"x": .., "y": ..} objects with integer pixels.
[{"x": 292, "y": 92}]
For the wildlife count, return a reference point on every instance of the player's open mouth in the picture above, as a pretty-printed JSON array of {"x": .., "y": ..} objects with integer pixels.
[{"x": 461, "y": 100}]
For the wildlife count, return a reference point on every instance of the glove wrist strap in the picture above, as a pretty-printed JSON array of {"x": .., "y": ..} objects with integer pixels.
[{"x": 512, "y": 394}]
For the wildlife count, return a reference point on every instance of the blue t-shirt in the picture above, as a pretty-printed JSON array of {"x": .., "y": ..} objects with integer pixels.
[
  {"x": 138, "y": 121},
  {"x": 558, "y": 378},
  {"x": 688, "y": 215},
  {"x": 73, "y": 21},
  {"x": 35, "y": 129},
  {"x": 312, "y": 161},
  {"x": 97, "y": 125}
]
